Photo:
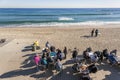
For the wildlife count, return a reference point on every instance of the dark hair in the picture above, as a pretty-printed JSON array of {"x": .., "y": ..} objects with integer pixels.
[
  {"x": 52, "y": 48},
  {"x": 89, "y": 49}
]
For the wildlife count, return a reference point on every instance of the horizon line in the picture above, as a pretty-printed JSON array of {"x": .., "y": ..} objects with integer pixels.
[{"x": 60, "y": 8}]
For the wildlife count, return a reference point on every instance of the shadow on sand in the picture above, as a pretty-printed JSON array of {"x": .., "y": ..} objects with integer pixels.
[
  {"x": 66, "y": 74},
  {"x": 29, "y": 69},
  {"x": 86, "y": 36},
  {"x": 28, "y": 62},
  {"x": 27, "y": 48},
  {"x": 18, "y": 72},
  {"x": 114, "y": 72}
]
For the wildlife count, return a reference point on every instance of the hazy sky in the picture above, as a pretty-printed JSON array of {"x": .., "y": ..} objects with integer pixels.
[{"x": 59, "y": 3}]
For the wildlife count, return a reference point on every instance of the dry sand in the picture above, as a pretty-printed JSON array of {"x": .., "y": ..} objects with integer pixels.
[{"x": 14, "y": 63}]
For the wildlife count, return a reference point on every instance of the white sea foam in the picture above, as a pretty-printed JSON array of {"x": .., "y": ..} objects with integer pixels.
[
  {"x": 65, "y": 19},
  {"x": 89, "y": 23}
]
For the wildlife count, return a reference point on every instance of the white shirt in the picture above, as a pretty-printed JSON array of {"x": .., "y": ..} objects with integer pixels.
[{"x": 90, "y": 54}]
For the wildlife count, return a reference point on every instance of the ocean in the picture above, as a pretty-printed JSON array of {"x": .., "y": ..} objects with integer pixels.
[{"x": 37, "y": 17}]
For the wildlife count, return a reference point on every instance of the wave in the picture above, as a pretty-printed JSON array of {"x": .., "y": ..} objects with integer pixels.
[
  {"x": 65, "y": 19},
  {"x": 89, "y": 14},
  {"x": 27, "y": 21},
  {"x": 57, "y": 24},
  {"x": 56, "y": 14}
]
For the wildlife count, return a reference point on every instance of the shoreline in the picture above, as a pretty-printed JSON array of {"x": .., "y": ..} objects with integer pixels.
[{"x": 70, "y": 26}]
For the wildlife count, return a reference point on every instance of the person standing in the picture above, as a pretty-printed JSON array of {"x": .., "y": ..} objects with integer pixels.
[
  {"x": 96, "y": 32},
  {"x": 58, "y": 66},
  {"x": 47, "y": 44},
  {"x": 59, "y": 56},
  {"x": 37, "y": 60},
  {"x": 65, "y": 51},
  {"x": 74, "y": 54},
  {"x": 35, "y": 46},
  {"x": 92, "y": 32}
]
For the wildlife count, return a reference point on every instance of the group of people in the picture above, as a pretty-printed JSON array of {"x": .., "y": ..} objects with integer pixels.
[
  {"x": 51, "y": 57},
  {"x": 94, "y": 32},
  {"x": 111, "y": 56},
  {"x": 81, "y": 67},
  {"x": 84, "y": 68},
  {"x": 89, "y": 54},
  {"x": 100, "y": 55}
]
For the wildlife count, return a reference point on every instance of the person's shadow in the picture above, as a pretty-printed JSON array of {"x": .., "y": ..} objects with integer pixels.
[
  {"x": 18, "y": 72},
  {"x": 113, "y": 70},
  {"x": 27, "y": 68},
  {"x": 86, "y": 36},
  {"x": 27, "y": 48}
]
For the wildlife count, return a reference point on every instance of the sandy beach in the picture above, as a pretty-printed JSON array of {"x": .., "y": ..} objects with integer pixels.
[{"x": 14, "y": 61}]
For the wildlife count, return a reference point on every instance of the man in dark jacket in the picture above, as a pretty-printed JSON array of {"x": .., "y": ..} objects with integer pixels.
[
  {"x": 92, "y": 32},
  {"x": 96, "y": 32},
  {"x": 74, "y": 54}
]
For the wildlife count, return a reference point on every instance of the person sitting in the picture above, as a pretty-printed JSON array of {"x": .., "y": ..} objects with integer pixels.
[
  {"x": 44, "y": 62},
  {"x": 99, "y": 55},
  {"x": 85, "y": 54},
  {"x": 105, "y": 53},
  {"x": 59, "y": 54},
  {"x": 93, "y": 57},
  {"x": 85, "y": 73},
  {"x": 80, "y": 67},
  {"x": 58, "y": 65},
  {"x": 92, "y": 68},
  {"x": 53, "y": 54},
  {"x": 76, "y": 67},
  {"x": 112, "y": 59},
  {"x": 44, "y": 55},
  {"x": 85, "y": 70},
  {"x": 50, "y": 62},
  {"x": 62, "y": 55},
  {"x": 114, "y": 52}
]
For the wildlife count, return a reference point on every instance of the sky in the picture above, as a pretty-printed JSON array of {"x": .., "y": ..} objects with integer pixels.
[{"x": 59, "y": 3}]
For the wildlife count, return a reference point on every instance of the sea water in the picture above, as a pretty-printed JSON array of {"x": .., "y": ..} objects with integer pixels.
[{"x": 37, "y": 17}]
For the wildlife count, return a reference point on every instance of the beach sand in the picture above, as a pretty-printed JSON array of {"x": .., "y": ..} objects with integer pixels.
[{"x": 15, "y": 62}]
